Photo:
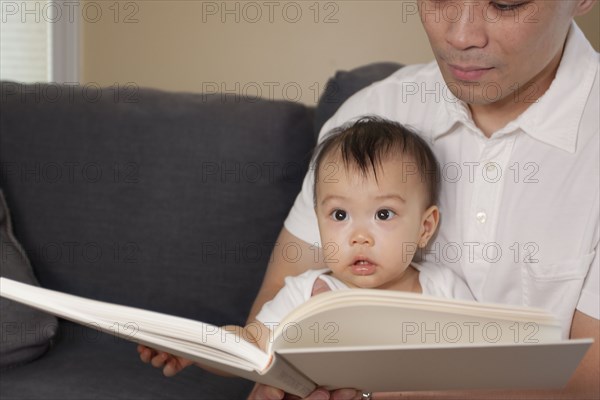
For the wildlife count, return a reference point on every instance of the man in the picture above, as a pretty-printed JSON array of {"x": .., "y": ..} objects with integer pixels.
[{"x": 511, "y": 110}]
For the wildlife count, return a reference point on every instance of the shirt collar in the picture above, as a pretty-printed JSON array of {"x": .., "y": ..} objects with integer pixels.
[{"x": 554, "y": 119}]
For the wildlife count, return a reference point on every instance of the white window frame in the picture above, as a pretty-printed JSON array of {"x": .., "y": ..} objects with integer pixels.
[{"x": 64, "y": 47}]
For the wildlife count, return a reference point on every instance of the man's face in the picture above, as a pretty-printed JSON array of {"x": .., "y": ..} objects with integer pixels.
[{"x": 499, "y": 50}]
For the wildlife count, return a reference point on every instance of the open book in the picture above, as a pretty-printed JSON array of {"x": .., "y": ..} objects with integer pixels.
[{"x": 373, "y": 340}]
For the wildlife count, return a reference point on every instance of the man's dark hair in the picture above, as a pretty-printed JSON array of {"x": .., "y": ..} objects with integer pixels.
[{"x": 366, "y": 143}]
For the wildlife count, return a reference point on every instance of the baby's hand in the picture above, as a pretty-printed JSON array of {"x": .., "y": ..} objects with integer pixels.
[{"x": 170, "y": 364}]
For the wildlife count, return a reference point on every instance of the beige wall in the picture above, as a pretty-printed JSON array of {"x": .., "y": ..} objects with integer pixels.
[{"x": 287, "y": 51}]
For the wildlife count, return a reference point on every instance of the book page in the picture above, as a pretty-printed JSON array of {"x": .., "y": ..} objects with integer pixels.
[
  {"x": 180, "y": 336},
  {"x": 362, "y": 317},
  {"x": 202, "y": 343}
]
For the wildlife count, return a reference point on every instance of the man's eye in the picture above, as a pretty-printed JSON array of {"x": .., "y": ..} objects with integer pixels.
[
  {"x": 507, "y": 7},
  {"x": 339, "y": 215},
  {"x": 384, "y": 214}
]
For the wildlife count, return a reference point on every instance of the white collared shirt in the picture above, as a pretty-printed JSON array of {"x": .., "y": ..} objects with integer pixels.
[{"x": 520, "y": 210}]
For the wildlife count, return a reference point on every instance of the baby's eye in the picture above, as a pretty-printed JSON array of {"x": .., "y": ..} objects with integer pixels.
[
  {"x": 339, "y": 215},
  {"x": 384, "y": 214}
]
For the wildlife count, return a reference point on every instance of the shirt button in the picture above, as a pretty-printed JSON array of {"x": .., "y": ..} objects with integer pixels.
[
  {"x": 481, "y": 217},
  {"x": 490, "y": 167}
]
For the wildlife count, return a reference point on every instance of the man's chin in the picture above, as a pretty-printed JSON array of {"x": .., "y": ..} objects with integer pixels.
[{"x": 477, "y": 93}]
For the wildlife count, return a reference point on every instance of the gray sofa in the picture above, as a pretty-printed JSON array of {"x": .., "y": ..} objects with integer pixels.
[{"x": 167, "y": 201}]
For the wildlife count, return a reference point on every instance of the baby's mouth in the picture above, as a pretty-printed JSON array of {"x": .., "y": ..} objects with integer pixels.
[{"x": 363, "y": 266}]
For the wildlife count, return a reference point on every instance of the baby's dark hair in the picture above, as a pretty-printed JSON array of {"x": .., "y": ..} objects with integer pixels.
[{"x": 366, "y": 143}]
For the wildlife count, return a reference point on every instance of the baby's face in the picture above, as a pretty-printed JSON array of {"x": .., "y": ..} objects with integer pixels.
[{"x": 370, "y": 229}]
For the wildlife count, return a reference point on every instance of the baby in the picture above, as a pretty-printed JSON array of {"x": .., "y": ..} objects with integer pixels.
[{"x": 375, "y": 192}]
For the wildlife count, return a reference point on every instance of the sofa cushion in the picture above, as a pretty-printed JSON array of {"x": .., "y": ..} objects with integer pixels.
[
  {"x": 85, "y": 365},
  {"x": 166, "y": 201},
  {"x": 345, "y": 83},
  {"x": 26, "y": 333}
]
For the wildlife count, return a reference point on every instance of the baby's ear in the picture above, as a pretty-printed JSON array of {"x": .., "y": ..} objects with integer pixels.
[{"x": 429, "y": 223}]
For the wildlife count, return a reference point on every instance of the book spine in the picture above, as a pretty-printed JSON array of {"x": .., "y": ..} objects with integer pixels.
[{"x": 287, "y": 378}]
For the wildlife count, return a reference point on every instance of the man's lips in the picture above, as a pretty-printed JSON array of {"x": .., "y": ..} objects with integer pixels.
[{"x": 468, "y": 72}]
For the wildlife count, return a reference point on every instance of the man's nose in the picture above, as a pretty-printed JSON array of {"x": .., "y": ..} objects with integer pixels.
[{"x": 466, "y": 25}]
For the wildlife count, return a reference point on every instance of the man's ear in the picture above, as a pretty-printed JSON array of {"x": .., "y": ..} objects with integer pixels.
[
  {"x": 583, "y": 7},
  {"x": 429, "y": 223}
]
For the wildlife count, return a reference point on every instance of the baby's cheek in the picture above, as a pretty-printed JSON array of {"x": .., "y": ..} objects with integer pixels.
[{"x": 331, "y": 249}]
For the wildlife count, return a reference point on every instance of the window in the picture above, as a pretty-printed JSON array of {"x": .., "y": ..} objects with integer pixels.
[{"x": 39, "y": 41}]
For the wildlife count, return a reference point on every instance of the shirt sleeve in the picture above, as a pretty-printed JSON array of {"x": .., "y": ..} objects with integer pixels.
[
  {"x": 302, "y": 220},
  {"x": 589, "y": 300}
]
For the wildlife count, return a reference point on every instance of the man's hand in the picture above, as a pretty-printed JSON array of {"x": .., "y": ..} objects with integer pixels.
[
  {"x": 585, "y": 382},
  {"x": 170, "y": 364}
]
